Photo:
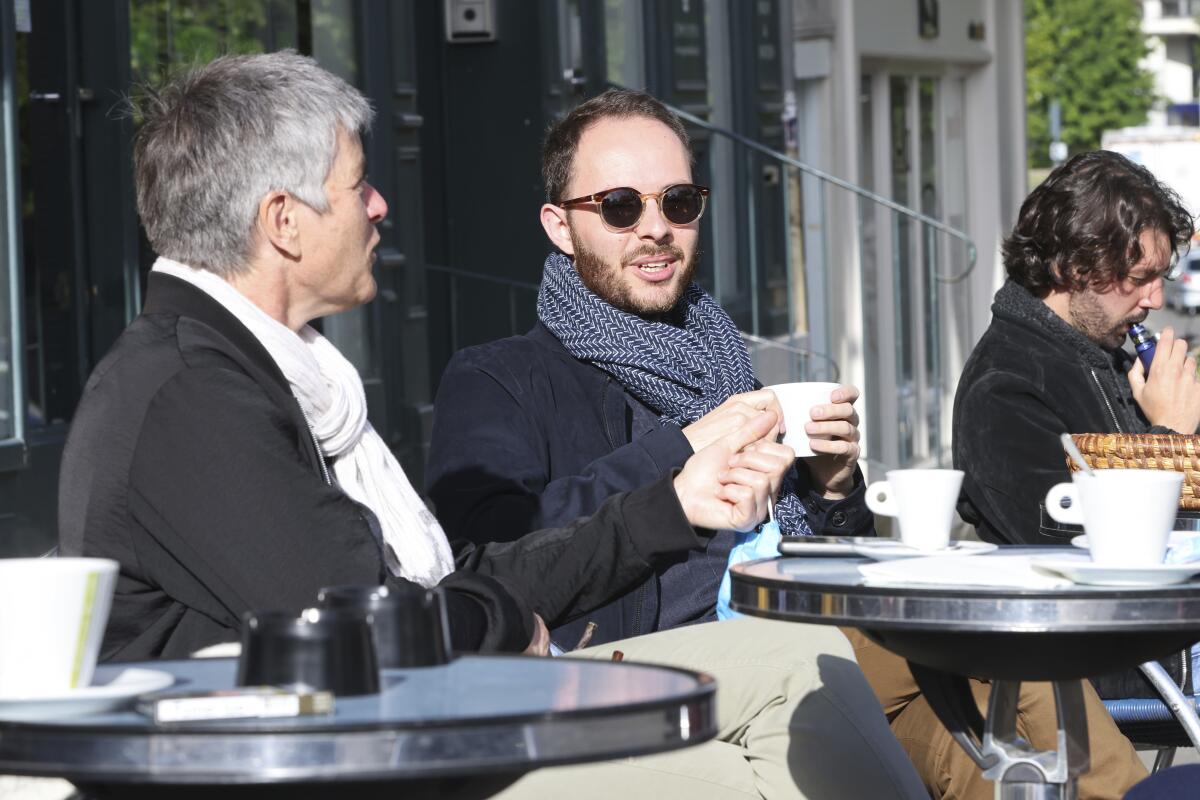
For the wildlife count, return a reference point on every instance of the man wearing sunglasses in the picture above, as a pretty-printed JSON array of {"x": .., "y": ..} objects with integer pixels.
[{"x": 630, "y": 369}]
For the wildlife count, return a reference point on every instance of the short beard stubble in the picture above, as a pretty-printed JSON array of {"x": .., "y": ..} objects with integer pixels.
[{"x": 605, "y": 279}]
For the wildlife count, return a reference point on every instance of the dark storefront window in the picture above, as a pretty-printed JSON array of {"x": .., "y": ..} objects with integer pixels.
[
  {"x": 165, "y": 34},
  {"x": 170, "y": 34}
]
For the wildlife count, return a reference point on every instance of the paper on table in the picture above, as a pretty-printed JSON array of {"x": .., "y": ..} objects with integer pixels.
[{"x": 988, "y": 570}]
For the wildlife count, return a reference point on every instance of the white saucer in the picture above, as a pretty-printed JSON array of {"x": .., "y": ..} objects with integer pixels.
[
  {"x": 95, "y": 699},
  {"x": 890, "y": 549},
  {"x": 1176, "y": 538},
  {"x": 1081, "y": 569}
]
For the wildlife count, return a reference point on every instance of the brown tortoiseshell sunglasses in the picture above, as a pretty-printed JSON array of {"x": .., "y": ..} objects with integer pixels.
[{"x": 622, "y": 208}]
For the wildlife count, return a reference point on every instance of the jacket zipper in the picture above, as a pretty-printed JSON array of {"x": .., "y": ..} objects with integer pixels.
[
  {"x": 1185, "y": 656},
  {"x": 641, "y": 596},
  {"x": 317, "y": 446},
  {"x": 1104, "y": 397}
]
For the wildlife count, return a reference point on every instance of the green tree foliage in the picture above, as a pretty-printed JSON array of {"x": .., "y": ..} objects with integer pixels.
[
  {"x": 1085, "y": 54},
  {"x": 166, "y": 34}
]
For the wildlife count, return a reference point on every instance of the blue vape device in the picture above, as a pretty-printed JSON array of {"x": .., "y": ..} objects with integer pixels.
[{"x": 1144, "y": 342}]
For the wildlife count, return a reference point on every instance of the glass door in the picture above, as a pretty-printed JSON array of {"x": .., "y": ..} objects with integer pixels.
[{"x": 909, "y": 138}]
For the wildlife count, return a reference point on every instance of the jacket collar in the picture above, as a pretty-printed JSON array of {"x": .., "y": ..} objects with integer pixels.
[
  {"x": 166, "y": 294},
  {"x": 1015, "y": 303}
]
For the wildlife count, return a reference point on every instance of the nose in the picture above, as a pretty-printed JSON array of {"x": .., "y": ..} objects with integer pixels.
[
  {"x": 377, "y": 207},
  {"x": 653, "y": 225},
  {"x": 1152, "y": 297}
]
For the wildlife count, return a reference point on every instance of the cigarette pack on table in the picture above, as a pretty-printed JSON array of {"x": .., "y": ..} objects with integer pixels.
[{"x": 247, "y": 702}]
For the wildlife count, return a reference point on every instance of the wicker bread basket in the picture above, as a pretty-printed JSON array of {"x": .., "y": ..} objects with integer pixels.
[{"x": 1145, "y": 451}]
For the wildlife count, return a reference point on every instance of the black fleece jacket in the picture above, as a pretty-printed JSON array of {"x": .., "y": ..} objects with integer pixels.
[
  {"x": 190, "y": 463},
  {"x": 1031, "y": 378}
]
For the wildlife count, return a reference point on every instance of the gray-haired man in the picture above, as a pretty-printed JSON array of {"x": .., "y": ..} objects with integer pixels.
[{"x": 221, "y": 452}]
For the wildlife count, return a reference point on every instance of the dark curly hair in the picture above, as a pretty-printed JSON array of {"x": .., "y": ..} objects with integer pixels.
[
  {"x": 562, "y": 137},
  {"x": 1080, "y": 227}
]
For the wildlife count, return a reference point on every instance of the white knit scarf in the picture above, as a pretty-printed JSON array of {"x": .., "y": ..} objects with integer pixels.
[{"x": 330, "y": 393}]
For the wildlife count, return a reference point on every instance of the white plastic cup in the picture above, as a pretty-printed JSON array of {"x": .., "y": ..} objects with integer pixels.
[
  {"x": 1128, "y": 514},
  {"x": 923, "y": 500},
  {"x": 52, "y": 617},
  {"x": 797, "y": 401}
]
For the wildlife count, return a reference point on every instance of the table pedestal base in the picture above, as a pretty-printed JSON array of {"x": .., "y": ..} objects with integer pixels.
[{"x": 1020, "y": 772}]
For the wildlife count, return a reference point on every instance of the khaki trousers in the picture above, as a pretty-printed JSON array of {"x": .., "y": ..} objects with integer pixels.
[
  {"x": 949, "y": 773},
  {"x": 796, "y": 718}
]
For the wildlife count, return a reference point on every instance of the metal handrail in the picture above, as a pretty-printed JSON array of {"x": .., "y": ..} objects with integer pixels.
[
  {"x": 480, "y": 276},
  {"x": 799, "y": 352},
  {"x": 759, "y": 147}
]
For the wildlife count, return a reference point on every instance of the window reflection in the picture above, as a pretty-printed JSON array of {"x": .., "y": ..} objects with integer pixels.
[
  {"x": 167, "y": 35},
  {"x": 623, "y": 42},
  {"x": 11, "y": 210},
  {"x": 36, "y": 411}
]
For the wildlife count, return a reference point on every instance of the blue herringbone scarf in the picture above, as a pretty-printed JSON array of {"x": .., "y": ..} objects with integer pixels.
[{"x": 681, "y": 370}]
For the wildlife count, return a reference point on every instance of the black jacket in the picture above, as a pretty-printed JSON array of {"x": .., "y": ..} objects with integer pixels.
[
  {"x": 191, "y": 464},
  {"x": 1031, "y": 378},
  {"x": 526, "y": 436}
]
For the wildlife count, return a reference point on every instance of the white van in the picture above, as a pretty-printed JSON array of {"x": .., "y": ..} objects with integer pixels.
[{"x": 1183, "y": 293}]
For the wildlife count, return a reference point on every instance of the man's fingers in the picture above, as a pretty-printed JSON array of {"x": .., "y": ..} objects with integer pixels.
[
  {"x": 750, "y": 431},
  {"x": 758, "y": 455},
  {"x": 840, "y": 430},
  {"x": 846, "y": 393},
  {"x": 747, "y": 506},
  {"x": 1136, "y": 375},
  {"x": 759, "y": 399},
  {"x": 834, "y": 447},
  {"x": 832, "y": 411},
  {"x": 745, "y": 476}
]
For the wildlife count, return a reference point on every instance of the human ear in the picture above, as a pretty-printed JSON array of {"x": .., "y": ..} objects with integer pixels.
[
  {"x": 554, "y": 223},
  {"x": 278, "y": 222}
]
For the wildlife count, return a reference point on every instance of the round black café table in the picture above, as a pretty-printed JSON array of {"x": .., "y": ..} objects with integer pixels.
[
  {"x": 466, "y": 729},
  {"x": 1004, "y": 634}
]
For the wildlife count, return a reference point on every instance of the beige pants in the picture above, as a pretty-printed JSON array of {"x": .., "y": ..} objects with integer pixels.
[
  {"x": 949, "y": 773},
  {"x": 796, "y": 720}
]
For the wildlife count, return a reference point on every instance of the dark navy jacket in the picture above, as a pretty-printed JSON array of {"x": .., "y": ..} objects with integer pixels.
[{"x": 526, "y": 436}]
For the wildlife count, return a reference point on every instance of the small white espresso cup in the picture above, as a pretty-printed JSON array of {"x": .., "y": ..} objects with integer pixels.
[
  {"x": 52, "y": 617},
  {"x": 1128, "y": 514},
  {"x": 797, "y": 401},
  {"x": 922, "y": 499}
]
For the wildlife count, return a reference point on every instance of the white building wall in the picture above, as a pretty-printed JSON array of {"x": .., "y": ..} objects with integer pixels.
[
  {"x": 1175, "y": 80},
  {"x": 981, "y": 129},
  {"x": 1172, "y": 41}
]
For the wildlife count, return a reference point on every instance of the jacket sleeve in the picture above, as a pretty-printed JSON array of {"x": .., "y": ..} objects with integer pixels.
[
  {"x": 572, "y": 570},
  {"x": 1001, "y": 421},
  {"x": 488, "y": 471},
  {"x": 231, "y": 518},
  {"x": 846, "y": 517}
]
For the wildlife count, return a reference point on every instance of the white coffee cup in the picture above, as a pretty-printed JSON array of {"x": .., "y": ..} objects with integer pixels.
[
  {"x": 1128, "y": 514},
  {"x": 923, "y": 500},
  {"x": 797, "y": 401},
  {"x": 52, "y": 617}
]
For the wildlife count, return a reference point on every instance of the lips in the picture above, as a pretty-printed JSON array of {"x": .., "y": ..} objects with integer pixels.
[{"x": 655, "y": 269}]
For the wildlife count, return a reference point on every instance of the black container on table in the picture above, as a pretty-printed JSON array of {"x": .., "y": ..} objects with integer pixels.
[
  {"x": 410, "y": 623},
  {"x": 321, "y": 649}
]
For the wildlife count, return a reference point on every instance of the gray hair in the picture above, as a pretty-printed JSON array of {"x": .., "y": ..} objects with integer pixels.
[{"x": 217, "y": 138}]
